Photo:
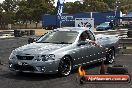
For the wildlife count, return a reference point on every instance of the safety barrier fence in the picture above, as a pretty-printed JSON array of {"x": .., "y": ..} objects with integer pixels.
[
  {"x": 17, "y": 33},
  {"x": 125, "y": 38}
]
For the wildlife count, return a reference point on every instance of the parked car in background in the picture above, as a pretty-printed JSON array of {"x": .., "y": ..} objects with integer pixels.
[{"x": 105, "y": 26}]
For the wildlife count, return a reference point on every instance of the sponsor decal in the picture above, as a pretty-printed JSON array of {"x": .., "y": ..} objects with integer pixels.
[{"x": 102, "y": 78}]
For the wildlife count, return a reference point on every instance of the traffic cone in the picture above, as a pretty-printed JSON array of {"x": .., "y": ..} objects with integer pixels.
[{"x": 102, "y": 69}]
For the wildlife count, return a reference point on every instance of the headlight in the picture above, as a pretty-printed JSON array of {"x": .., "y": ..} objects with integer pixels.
[
  {"x": 12, "y": 55},
  {"x": 48, "y": 57}
]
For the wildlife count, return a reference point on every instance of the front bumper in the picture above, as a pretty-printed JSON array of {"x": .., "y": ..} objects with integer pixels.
[
  {"x": 48, "y": 67},
  {"x": 100, "y": 29}
]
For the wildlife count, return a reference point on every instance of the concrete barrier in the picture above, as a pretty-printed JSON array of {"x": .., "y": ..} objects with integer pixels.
[{"x": 6, "y": 36}]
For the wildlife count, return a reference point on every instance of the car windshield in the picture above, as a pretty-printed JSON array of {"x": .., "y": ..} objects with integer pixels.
[
  {"x": 104, "y": 24},
  {"x": 59, "y": 37}
]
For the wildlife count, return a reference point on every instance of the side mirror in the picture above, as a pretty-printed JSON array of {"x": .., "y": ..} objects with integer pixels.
[{"x": 82, "y": 43}]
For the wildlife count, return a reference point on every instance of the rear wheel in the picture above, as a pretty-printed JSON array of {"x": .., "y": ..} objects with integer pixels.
[
  {"x": 65, "y": 66},
  {"x": 110, "y": 56}
]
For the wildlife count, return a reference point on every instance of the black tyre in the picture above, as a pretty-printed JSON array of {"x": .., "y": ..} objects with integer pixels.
[
  {"x": 19, "y": 73},
  {"x": 117, "y": 69},
  {"x": 65, "y": 66},
  {"x": 110, "y": 56}
]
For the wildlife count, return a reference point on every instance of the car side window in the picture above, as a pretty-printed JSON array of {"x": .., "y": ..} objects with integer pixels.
[{"x": 84, "y": 36}]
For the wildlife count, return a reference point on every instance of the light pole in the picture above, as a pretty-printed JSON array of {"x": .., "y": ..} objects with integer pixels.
[
  {"x": 116, "y": 10},
  {"x": 117, "y": 6}
]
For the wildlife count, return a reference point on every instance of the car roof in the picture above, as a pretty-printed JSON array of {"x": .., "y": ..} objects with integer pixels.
[
  {"x": 106, "y": 22},
  {"x": 77, "y": 29}
]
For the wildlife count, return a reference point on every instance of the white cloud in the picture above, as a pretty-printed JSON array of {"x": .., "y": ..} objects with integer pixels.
[{"x": 1, "y": 1}]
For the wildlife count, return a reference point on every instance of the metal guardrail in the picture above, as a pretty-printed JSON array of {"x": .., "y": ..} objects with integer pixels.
[
  {"x": 120, "y": 32},
  {"x": 126, "y": 44},
  {"x": 125, "y": 38}
]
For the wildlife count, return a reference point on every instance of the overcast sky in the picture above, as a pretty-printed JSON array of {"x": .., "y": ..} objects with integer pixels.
[{"x": 1, "y": 1}]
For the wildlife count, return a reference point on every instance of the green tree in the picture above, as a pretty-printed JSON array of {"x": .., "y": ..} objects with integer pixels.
[
  {"x": 41, "y": 7},
  {"x": 1, "y": 10},
  {"x": 126, "y": 8},
  {"x": 95, "y": 5},
  {"x": 9, "y": 7},
  {"x": 110, "y": 3},
  {"x": 73, "y": 7},
  {"x": 32, "y": 10}
]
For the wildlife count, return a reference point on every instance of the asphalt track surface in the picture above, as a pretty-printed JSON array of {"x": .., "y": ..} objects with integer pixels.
[{"x": 10, "y": 79}]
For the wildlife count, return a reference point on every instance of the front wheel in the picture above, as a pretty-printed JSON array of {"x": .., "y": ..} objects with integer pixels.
[
  {"x": 110, "y": 56},
  {"x": 65, "y": 66}
]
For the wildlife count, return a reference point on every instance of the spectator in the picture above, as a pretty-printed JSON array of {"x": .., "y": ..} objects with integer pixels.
[{"x": 111, "y": 25}]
